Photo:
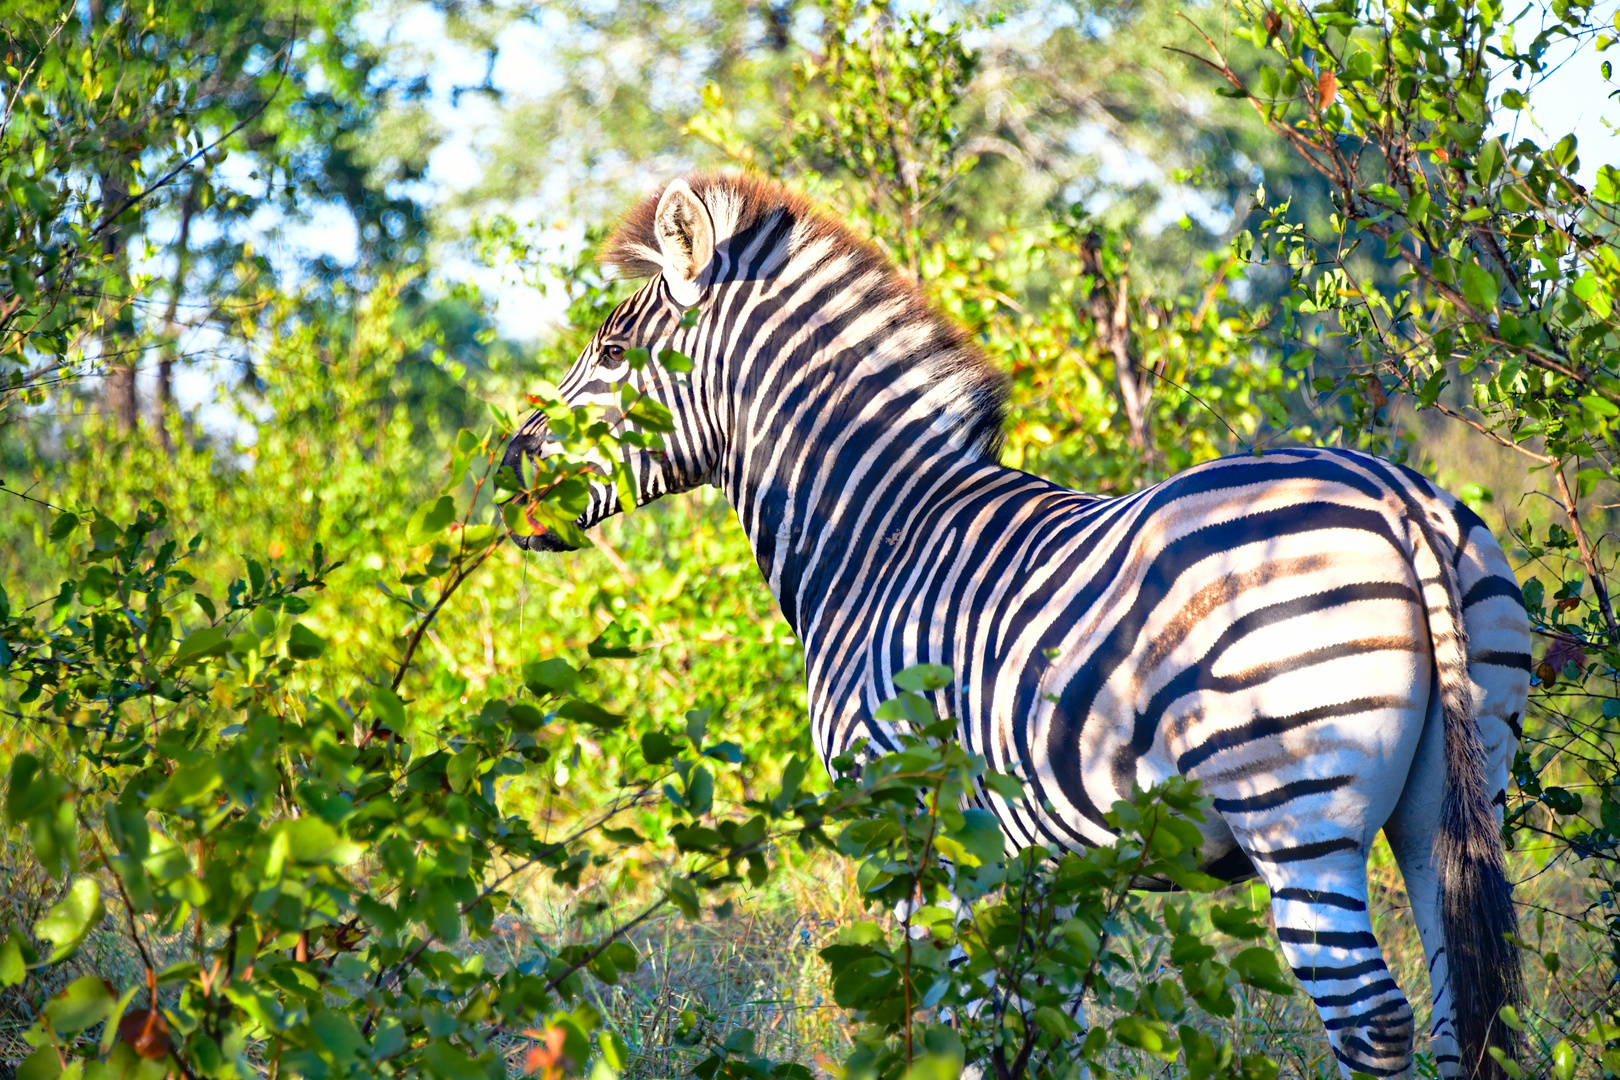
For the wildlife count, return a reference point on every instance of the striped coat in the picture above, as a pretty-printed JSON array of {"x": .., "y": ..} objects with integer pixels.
[{"x": 1329, "y": 643}]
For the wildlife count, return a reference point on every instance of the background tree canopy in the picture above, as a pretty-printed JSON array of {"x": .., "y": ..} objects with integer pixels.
[{"x": 308, "y": 771}]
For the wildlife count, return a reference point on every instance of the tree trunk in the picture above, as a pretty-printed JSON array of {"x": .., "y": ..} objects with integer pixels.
[
  {"x": 118, "y": 350},
  {"x": 1109, "y": 309},
  {"x": 118, "y": 355},
  {"x": 163, "y": 403}
]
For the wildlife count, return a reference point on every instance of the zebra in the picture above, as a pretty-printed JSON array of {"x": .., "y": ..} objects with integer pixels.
[{"x": 1327, "y": 641}]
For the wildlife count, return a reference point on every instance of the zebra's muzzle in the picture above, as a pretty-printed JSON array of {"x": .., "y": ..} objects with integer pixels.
[{"x": 528, "y": 445}]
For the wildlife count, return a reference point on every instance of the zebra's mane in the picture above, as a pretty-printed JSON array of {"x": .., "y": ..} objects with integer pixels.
[{"x": 739, "y": 203}]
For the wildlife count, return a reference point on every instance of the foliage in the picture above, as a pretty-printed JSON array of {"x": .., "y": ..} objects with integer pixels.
[
  {"x": 1508, "y": 301},
  {"x": 323, "y": 862},
  {"x": 116, "y": 125}
]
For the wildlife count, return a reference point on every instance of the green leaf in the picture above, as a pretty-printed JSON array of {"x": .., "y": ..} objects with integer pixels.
[
  {"x": 1432, "y": 386},
  {"x": 63, "y": 526},
  {"x": 525, "y": 717},
  {"x": 1006, "y": 786},
  {"x": 429, "y": 520},
  {"x": 657, "y": 747},
  {"x": 922, "y": 678},
  {"x": 82, "y": 1004},
  {"x": 1600, "y": 406},
  {"x": 1607, "y": 188},
  {"x": 310, "y": 840},
  {"x": 28, "y": 791},
  {"x": 1563, "y": 1056},
  {"x": 199, "y": 645},
  {"x": 13, "y": 967},
  {"x": 1051, "y": 1020},
  {"x": 550, "y": 676},
  {"x": 463, "y": 768},
  {"x": 109, "y": 1031},
  {"x": 684, "y": 896},
  {"x": 389, "y": 709},
  {"x": 981, "y": 835},
  {"x": 1418, "y": 208},
  {"x": 42, "y": 1064},
  {"x": 304, "y": 643},
  {"x": 699, "y": 791},
  {"x": 1257, "y": 966},
  {"x": 1479, "y": 286},
  {"x": 697, "y": 725},
  {"x": 548, "y": 518},
  {"x": 337, "y": 1033},
  {"x": 584, "y": 712},
  {"x": 1237, "y": 921},
  {"x": 614, "y": 1051},
  {"x": 1563, "y": 152},
  {"x": 187, "y": 784},
  {"x": 449, "y": 1063},
  {"x": 612, "y": 643},
  {"x": 1488, "y": 166},
  {"x": 1150, "y": 1036},
  {"x": 71, "y": 918},
  {"x": 651, "y": 415}
]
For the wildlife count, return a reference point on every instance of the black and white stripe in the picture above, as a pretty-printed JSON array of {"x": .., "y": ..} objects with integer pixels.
[{"x": 1328, "y": 642}]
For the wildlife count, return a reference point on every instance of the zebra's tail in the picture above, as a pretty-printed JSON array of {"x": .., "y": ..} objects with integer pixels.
[{"x": 1476, "y": 900}]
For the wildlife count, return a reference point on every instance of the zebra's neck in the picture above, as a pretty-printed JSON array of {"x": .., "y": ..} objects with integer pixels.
[{"x": 848, "y": 416}]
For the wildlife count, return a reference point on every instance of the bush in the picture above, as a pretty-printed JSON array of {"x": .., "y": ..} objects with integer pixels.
[{"x": 305, "y": 878}]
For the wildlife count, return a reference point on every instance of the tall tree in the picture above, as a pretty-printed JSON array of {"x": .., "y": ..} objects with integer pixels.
[{"x": 117, "y": 119}]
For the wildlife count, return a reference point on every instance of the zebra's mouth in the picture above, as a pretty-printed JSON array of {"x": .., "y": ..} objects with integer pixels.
[
  {"x": 542, "y": 541},
  {"x": 529, "y": 445}
]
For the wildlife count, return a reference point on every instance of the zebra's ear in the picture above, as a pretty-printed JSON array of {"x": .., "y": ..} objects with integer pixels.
[{"x": 685, "y": 239}]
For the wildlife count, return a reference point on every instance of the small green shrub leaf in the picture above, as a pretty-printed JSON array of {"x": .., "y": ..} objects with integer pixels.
[{"x": 71, "y": 918}]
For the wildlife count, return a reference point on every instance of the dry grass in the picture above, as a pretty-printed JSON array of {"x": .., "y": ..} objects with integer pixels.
[{"x": 759, "y": 969}]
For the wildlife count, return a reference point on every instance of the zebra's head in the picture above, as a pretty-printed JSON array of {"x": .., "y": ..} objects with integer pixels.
[
  {"x": 662, "y": 316},
  {"x": 813, "y": 360}
]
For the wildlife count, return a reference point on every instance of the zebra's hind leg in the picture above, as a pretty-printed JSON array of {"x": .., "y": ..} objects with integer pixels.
[{"x": 1319, "y": 898}]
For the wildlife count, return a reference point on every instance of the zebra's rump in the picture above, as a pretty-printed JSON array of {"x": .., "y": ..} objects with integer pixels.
[{"x": 1257, "y": 623}]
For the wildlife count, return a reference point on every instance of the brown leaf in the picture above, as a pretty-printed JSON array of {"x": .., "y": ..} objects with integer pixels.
[
  {"x": 548, "y": 1059},
  {"x": 147, "y": 1033},
  {"x": 1273, "y": 24},
  {"x": 1327, "y": 88},
  {"x": 1563, "y": 652}
]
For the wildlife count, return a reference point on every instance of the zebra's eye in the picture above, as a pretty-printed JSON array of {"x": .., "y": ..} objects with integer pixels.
[{"x": 615, "y": 352}]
